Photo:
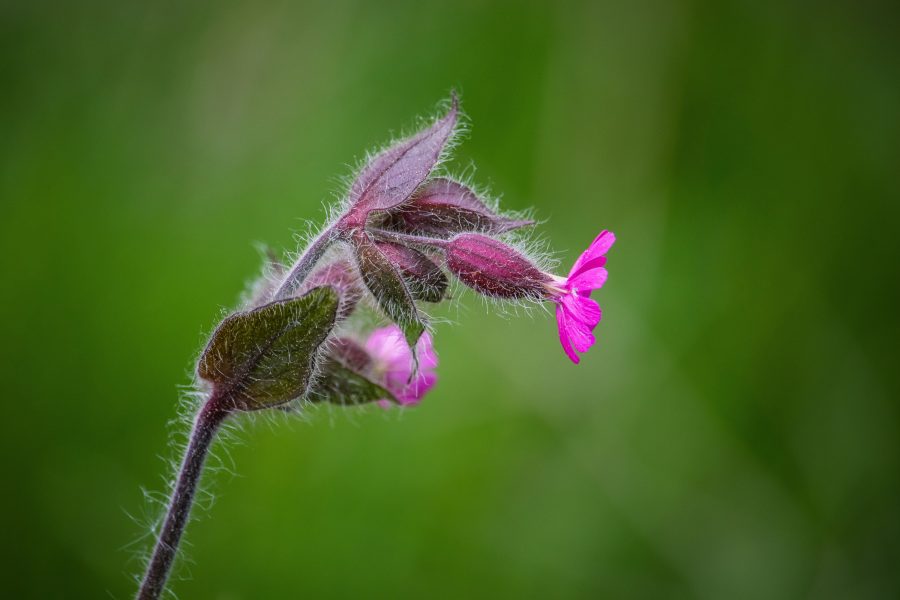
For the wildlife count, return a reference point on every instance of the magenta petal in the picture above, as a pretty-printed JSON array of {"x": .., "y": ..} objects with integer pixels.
[
  {"x": 425, "y": 352},
  {"x": 411, "y": 393},
  {"x": 420, "y": 386},
  {"x": 564, "y": 334},
  {"x": 598, "y": 248},
  {"x": 580, "y": 316},
  {"x": 389, "y": 345},
  {"x": 582, "y": 310},
  {"x": 602, "y": 243},
  {"x": 581, "y": 267},
  {"x": 580, "y": 335},
  {"x": 587, "y": 280}
]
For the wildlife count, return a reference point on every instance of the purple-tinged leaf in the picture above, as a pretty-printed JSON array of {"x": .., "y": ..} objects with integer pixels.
[
  {"x": 392, "y": 176},
  {"x": 264, "y": 358},
  {"x": 425, "y": 279},
  {"x": 495, "y": 269},
  {"x": 351, "y": 353},
  {"x": 388, "y": 287},
  {"x": 443, "y": 208},
  {"x": 341, "y": 276},
  {"x": 345, "y": 377}
]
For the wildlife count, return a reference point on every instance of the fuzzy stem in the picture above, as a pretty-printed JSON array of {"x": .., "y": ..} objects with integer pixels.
[
  {"x": 304, "y": 265},
  {"x": 207, "y": 422},
  {"x": 406, "y": 238}
]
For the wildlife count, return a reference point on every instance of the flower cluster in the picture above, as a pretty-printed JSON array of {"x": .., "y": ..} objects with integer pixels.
[{"x": 400, "y": 232}]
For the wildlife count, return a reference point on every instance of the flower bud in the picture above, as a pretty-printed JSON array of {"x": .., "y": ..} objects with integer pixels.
[
  {"x": 342, "y": 277},
  {"x": 384, "y": 369},
  {"x": 443, "y": 208},
  {"x": 494, "y": 269},
  {"x": 388, "y": 287},
  {"x": 425, "y": 279}
]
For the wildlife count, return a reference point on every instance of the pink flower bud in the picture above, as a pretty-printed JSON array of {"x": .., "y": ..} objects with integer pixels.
[
  {"x": 443, "y": 208},
  {"x": 342, "y": 277},
  {"x": 495, "y": 269}
]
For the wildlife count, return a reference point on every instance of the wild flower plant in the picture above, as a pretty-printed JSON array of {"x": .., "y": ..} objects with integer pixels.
[{"x": 388, "y": 245}]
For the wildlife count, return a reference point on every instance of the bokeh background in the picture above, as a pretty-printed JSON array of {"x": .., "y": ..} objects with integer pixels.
[{"x": 734, "y": 433}]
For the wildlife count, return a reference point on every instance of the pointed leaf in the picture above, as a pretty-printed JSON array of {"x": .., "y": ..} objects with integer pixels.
[
  {"x": 443, "y": 208},
  {"x": 264, "y": 357},
  {"x": 344, "y": 386},
  {"x": 344, "y": 378},
  {"x": 391, "y": 177},
  {"x": 341, "y": 276},
  {"x": 425, "y": 279},
  {"x": 388, "y": 287}
]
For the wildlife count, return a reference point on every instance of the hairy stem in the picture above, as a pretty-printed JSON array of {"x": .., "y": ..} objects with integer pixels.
[
  {"x": 304, "y": 265},
  {"x": 407, "y": 238},
  {"x": 207, "y": 422}
]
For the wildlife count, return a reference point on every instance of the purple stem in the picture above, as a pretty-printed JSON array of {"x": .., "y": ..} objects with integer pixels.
[
  {"x": 407, "y": 238},
  {"x": 304, "y": 265},
  {"x": 207, "y": 422}
]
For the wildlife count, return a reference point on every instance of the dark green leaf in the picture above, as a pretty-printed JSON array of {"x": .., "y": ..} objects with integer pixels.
[
  {"x": 386, "y": 284},
  {"x": 339, "y": 384},
  {"x": 264, "y": 357}
]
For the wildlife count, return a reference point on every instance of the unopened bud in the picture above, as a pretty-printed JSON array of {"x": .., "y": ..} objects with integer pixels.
[
  {"x": 342, "y": 277},
  {"x": 443, "y": 208},
  {"x": 425, "y": 279},
  {"x": 495, "y": 269}
]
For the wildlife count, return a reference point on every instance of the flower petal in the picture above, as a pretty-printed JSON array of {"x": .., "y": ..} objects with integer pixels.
[
  {"x": 598, "y": 248},
  {"x": 428, "y": 360},
  {"x": 564, "y": 334},
  {"x": 580, "y": 335},
  {"x": 583, "y": 310},
  {"x": 389, "y": 345},
  {"x": 589, "y": 278},
  {"x": 410, "y": 392}
]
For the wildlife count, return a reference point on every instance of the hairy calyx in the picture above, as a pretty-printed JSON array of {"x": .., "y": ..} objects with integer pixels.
[{"x": 402, "y": 232}]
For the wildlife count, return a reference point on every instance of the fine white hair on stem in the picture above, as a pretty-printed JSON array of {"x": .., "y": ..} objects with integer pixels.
[{"x": 375, "y": 265}]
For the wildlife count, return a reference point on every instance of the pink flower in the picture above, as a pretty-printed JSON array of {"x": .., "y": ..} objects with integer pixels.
[
  {"x": 576, "y": 313},
  {"x": 394, "y": 364}
]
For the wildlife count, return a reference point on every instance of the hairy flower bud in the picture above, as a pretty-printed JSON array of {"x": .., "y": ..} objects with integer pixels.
[
  {"x": 425, "y": 279},
  {"x": 442, "y": 207},
  {"x": 345, "y": 376},
  {"x": 384, "y": 369},
  {"x": 387, "y": 286},
  {"x": 495, "y": 269},
  {"x": 282, "y": 346},
  {"x": 342, "y": 277}
]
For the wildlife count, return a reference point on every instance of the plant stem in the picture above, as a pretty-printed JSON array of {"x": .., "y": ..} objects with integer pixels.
[
  {"x": 407, "y": 238},
  {"x": 207, "y": 422},
  {"x": 304, "y": 265}
]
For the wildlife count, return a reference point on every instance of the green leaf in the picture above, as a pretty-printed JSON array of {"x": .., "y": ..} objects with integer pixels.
[
  {"x": 424, "y": 279},
  {"x": 264, "y": 357},
  {"x": 340, "y": 384},
  {"x": 388, "y": 287}
]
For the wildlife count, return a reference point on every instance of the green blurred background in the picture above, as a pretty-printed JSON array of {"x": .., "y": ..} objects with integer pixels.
[{"x": 734, "y": 433}]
